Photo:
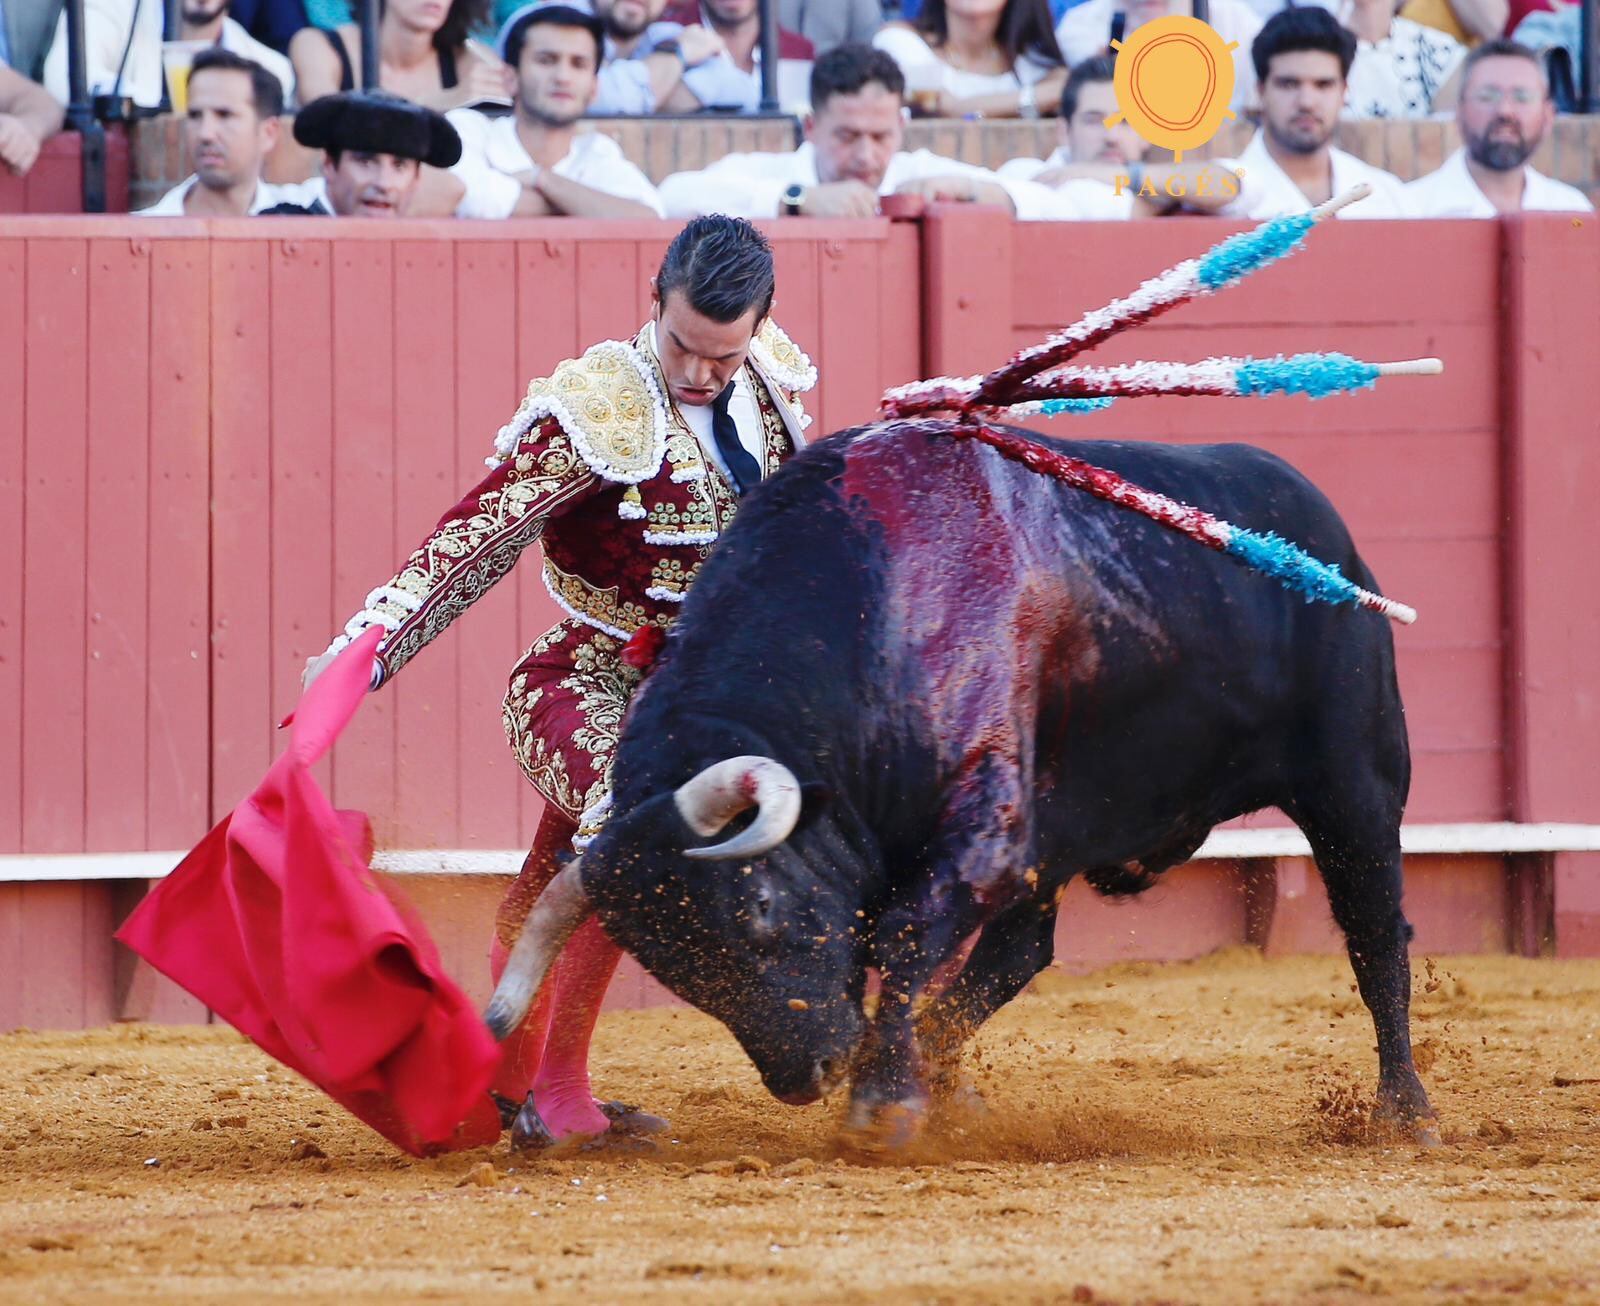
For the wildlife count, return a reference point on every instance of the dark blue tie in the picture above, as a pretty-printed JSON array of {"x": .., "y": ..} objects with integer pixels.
[{"x": 743, "y": 470}]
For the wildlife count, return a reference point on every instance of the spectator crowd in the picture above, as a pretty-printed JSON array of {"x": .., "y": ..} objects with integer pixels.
[{"x": 480, "y": 104}]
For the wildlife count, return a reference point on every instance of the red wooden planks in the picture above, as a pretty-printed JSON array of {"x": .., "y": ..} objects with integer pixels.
[
  {"x": 13, "y": 392},
  {"x": 117, "y": 696},
  {"x": 242, "y": 730},
  {"x": 609, "y": 278},
  {"x": 54, "y": 547},
  {"x": 302, "y": 465},
  {"x": 488, "y": 393},
  {"x": 49, "y": 980},
  {"x": 429, "y": 482},
  {"x": 177, "y": 748},
  {"x": 365, "y": 549},
  {"x": 849, "y": 287}
]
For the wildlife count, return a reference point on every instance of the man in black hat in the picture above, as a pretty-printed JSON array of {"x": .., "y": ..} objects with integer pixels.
[{"x": 374, "y": 146}]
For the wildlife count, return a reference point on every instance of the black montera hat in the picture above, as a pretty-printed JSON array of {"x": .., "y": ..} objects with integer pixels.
[{"x": 378, "y": 122}]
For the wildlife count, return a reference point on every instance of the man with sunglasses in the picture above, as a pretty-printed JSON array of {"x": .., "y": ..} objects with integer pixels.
[{"x": 1504, "y": 115}]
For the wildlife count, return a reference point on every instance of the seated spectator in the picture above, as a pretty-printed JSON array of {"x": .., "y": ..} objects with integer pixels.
[
  {"x": 229, "y": 127},
  {"x": 28, "y": 118},
  {"x": 1101, "y": 166},
  {"x": 374, "y": 146},
  {"x": 536, "y": 162},
  {"x": 1504, "y": 115},
  {"x": 1302, "y": 57},
  {"x": 1402, "y": 69},
  {"x": 425, "y": 54},
  {"x": 1467, "y": 21},
  {"x": 210, "y": 21},
  {"x": 828, "y": 24},
  {"x": 738, "y": 23},
  {"x": 852, "y": 158},
  {"x": 122, "y": 52},
  {"x": 990, "y": 58},
  {"x": 26, "y": 29},
  {"x": 1089, "y": 28},
  {"x": 653, "y": 67}
]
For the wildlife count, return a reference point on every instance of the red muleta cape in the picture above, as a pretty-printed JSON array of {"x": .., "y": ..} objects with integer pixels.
[{"x": 276, "y": 922}]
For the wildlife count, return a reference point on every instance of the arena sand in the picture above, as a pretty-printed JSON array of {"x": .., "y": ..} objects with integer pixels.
[{"x": 1156, "y": 1133}]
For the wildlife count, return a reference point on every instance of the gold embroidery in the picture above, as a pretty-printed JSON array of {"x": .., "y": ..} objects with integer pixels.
[
  {"x": 670, "y": 577},
  {"x": 609, "y": 401},
  {"x": 599, "y": 685},
  {"x": 603, "y": 608}
]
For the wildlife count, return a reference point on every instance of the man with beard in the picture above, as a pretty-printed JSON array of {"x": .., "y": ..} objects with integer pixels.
[
  {"x": 535, "y": 162},
  {"x": 209, "y": 21},
  {"x": 1504, "y": 115},
  {"x": 659, "y": 67},
  {"x": 230, "y": 126},
  {"x": 852, "y": 158},
  {"x": 1302, "y": 58},
  {"x": 374, "y": 145},
  {"x": 738, "y": 67}
]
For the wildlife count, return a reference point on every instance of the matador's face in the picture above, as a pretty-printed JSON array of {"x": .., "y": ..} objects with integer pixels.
[{"x": 698, "y": 354}]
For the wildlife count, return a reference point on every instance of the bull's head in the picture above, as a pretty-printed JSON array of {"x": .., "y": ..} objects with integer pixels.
[{"x": 752, "y": 929}]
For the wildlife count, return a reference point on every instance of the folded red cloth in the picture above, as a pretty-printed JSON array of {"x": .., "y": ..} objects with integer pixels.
[{"x": 276, "y": 922}]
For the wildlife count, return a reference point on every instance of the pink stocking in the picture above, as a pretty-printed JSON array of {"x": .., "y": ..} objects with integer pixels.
[{"x": 561, "y": 1083}]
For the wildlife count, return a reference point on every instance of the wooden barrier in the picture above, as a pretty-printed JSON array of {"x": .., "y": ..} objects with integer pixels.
[{"x": 225, "y": 436}]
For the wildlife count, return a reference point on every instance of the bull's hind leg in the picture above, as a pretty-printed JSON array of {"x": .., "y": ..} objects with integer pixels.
[
  {"x": 1361, "y": 868},
  {"x": 1013, "y": 948}
]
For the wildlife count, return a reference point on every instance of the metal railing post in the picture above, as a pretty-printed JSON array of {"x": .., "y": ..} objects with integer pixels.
[
  {"x": 769, "y": 56},
  {"x": 80, "y": 113},
  {"x": 367, "y": 16}
]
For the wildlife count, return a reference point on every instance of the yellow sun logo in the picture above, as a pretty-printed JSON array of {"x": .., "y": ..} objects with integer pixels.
[{"x": 1173, "y": 82}]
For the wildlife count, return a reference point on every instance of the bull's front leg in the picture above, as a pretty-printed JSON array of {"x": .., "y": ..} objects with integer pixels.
[
  {"x": 975, "y": 865},
  {"x": 914, "y": 937}
]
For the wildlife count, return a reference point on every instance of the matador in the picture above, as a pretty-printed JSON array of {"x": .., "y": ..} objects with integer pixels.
[{"x": 627, "y": 464}]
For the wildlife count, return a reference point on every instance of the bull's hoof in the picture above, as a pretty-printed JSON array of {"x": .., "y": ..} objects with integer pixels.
[
  {"x": 631, "y": 1120},
  {"x": 529, "y": 1133},
  {"x": 507, "y": 1107},
  {"x": 1422, "y": 1131},
  {"x": 882, "y": 1128}
]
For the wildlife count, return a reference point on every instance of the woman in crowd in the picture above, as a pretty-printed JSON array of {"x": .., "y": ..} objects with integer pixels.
[
  {"x": 981, "y": 58},
  {"x": 424, "y": 54}
]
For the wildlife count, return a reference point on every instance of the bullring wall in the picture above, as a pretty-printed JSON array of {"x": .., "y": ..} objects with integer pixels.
[{"x": 218, "y": 440}]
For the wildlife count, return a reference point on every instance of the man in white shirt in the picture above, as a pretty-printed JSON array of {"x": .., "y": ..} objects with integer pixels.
[
  {"x": 230, "y": 126},
  {"x": 1504, "y": 115},
  {"x": 852, "y": 158},
  {"x": 535, "y": 161},
  {"x": 1302, "y": 58},
  {"x": 122, "y": 52},
  {"x": 1088, "y": 29},
  {"x": 1102, "y": 167},
  {"x": 208, "y": 20},
  {"x": 655, "y": 67}
]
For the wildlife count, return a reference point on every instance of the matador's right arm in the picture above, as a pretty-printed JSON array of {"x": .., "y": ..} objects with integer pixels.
[{"x": 474, "y": 545}]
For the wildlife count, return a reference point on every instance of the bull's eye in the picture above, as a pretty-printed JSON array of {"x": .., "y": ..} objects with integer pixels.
[{"x": 763, "y": 914}]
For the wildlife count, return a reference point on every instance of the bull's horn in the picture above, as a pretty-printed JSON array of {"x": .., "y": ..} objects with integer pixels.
[
  {"x": 720, "y": 792},
  {"x": 555, "y": 918}
]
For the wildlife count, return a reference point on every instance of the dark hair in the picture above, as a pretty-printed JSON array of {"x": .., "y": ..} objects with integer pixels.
[
  {"x": 557, "y": 16},
  {"x": 848, "y": 69},
  {"x": 1307, "y": 28},
  {"x": 1025, "y": 28},
  {"x": 722, "y": 265},
  {"x": 464, "y": 17},
  {"x": 266, "y": 91},
  {"x": 1503, "y": 47},
  {"x": 1096, "y": 68}
]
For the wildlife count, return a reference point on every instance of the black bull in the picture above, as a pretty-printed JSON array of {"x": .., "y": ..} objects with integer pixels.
[{"x": 981, "y": 683}]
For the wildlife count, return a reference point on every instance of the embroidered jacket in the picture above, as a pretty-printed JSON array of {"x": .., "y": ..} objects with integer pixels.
[{"x": 599, "y": 464}]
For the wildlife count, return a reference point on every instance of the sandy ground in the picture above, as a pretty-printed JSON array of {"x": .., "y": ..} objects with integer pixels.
[{"x": 1173, "y": 1133}]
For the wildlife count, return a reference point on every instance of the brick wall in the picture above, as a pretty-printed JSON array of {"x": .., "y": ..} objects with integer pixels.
[{"x": 662, "y": 146}]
